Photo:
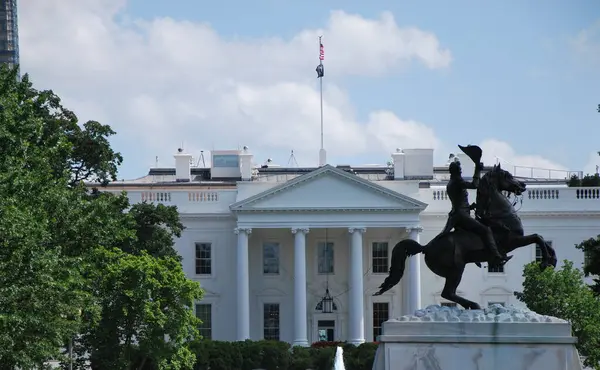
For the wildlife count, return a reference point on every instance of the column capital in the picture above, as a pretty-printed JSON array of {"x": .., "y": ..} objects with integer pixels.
[
  {"x": 361, "y": 230},
  {"x": 296, "y": 230},
  {"x": 246, "y": 230},
  {"x": 415, "y": 228}
]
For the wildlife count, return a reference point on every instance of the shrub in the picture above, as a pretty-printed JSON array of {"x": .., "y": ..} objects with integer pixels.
[{"x": 273, "y": 355}]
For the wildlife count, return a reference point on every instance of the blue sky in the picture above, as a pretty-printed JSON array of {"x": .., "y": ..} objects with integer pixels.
[{"x": 515, "y": 75}]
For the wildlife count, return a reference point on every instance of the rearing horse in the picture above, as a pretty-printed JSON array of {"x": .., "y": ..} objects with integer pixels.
[{"x": 448, "y": 254}]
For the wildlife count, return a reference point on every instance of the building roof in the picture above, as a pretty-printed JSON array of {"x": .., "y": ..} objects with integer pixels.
[{"x": 202, "y": 176}]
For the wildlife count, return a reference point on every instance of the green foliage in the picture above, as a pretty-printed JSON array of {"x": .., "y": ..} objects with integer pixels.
[
  {"x": 272, "y": 355},
  {"x": 80, "y": 265},
  {"x": 563, "y": 294},
  {"x": 591, "y": 266},
  {"x": 587, "y": 181},
  {"x": 39, "y": 289},
  {"x": 38, "y": 131}
]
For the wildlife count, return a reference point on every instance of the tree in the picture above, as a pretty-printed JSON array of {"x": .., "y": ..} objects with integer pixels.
[
  {"x": 591, "y": 265},
  {"x": 142, "y": 300},
  {"x": 40, "y": 288},
  {"x": 74, "y": 258},
  {"x": 587, "y": 181},
  {"x": 140, "y": 291},
  {"x": 563, "y": 294},
  {"x": 39, "y": 124}
]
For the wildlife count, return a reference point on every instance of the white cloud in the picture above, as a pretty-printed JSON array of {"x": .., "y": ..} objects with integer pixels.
[
  {"x": 159, "y": 82},
  {"x": 587, "y": 44},
  {"x": 527, "y": 165}
]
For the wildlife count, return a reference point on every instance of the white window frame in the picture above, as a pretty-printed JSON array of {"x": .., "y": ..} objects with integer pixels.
[
  {"x": 372, "y": 316},
  {"x": 212, "y": 316},
  {"x": 335, "y": 256},
  {"x": 262, "y": 261},
  {"x": 262, "y": 314},
  {"x": 370, "y": 255},
  {"x": 389, "y": 299},
  {"x": 270, "y": 295},
  {"x": 212, "y": 258}
]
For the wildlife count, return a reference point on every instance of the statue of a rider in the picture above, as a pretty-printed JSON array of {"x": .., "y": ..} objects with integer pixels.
[{"x": 460, "y": 215}]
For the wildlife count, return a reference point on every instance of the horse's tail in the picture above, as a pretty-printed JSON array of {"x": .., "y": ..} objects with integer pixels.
[{"x": 401, "y": 251}]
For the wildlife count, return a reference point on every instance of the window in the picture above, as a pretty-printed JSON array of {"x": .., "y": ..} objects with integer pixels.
[
  {"x": 271, "y": 321},
  {"x": 493, "y": 303},
  {"x": 226, "y": 160},
  {"x": 204, "y": 313},
  {"x": 448, "y": 304},
  {"x": 270, "y": 258},
  {"x": 203, "y": 259},
  {"x": 495, "y": 269},
  {"x": 538, "y": 252},
  {"x": 381, "y": 314},
  {"x": 587, "y": 258},
  {"x": 325, "y": 253},
  {"x": 379, "y": 253}
]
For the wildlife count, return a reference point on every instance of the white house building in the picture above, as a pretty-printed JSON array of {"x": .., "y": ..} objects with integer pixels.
[{"x": 295, "y": 254}]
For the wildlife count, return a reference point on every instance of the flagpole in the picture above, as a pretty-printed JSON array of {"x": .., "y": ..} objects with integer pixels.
[
  {"x": 320, "y": 72},
  {"x": 321, "y": 90}
]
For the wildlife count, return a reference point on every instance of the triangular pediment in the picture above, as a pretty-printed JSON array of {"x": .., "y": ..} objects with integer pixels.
[{"x": 329, "y": 188}]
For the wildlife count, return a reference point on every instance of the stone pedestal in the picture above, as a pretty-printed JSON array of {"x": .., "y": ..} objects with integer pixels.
[{"x": 497, "y": 338}]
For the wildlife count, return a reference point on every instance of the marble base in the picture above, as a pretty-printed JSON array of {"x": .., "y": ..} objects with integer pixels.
[{"x": 497, "y": 338}]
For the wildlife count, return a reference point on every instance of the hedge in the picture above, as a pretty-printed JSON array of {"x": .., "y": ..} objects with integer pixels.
[{"x": 273, "y": 355}]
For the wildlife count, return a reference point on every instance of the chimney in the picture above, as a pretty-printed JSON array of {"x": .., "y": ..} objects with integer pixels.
[
  {"x": 182, "y": 166},
  {"x": 246, "y": 164},
  {"x": 398, "y": 158}
]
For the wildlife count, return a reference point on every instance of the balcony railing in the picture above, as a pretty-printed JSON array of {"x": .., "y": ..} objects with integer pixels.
[
  {"x": 205, "y": 201},
  {"x": 547, "y": 199},
  {"x": 534, "y": 200}
]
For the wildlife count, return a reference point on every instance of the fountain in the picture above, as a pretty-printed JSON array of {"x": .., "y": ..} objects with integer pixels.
[{"x": 338, "y": 364}]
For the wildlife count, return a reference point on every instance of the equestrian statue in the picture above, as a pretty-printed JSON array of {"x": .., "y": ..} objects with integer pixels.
[{"x": 495, "y": 231}]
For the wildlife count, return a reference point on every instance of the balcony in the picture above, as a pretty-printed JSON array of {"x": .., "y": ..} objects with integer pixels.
[{"x": 534, "y": 200}]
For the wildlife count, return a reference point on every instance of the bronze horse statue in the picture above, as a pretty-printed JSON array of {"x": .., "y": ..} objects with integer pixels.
[{"x": 448, "y": 253}]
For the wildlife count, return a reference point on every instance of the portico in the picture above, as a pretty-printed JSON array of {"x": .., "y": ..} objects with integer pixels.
[{"x": 324, "y": 199}]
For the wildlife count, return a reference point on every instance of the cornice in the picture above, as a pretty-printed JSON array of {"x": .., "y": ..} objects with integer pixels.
[
  {"x": 549, "y": 214},
  {"x": 325, "y": 210}
]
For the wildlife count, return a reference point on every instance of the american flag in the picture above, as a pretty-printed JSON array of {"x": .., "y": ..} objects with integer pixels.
[{"x": 321, "y": 50}]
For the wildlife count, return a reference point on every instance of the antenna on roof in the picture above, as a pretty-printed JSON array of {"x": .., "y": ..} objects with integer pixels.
[
  {"x": 292, "y": 162},
  {"x": 156, "y": 162},
  {"x": 201, "y": 159}
]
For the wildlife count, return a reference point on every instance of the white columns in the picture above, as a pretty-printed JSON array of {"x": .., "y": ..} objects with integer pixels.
[
  {"x": 300, "y": 325},
  {"x": 243, "y": 285},
  {"x": 414, "y": 274},
  {"x": 356, "y": 325}
]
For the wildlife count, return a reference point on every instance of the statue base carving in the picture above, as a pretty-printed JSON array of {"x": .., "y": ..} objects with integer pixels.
[{"x": 496, "y": 338}]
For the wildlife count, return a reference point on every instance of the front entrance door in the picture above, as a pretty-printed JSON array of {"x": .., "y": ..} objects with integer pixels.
[{"x": 326, "y": 330}]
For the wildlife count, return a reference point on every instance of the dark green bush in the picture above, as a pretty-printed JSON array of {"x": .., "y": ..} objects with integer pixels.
[{"x": 273, "y": 355}]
